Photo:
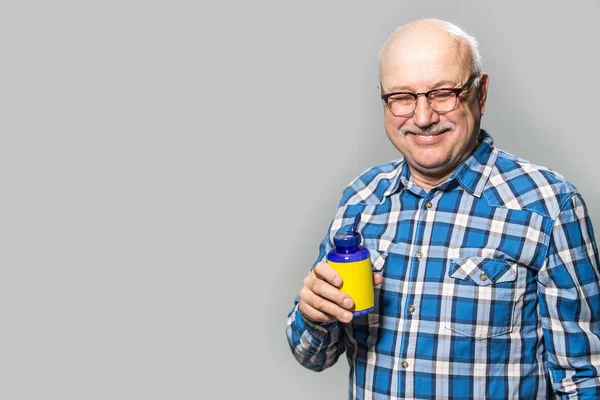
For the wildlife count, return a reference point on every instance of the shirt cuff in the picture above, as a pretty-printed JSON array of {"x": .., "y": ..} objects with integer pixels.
[{"x": 318, "y": 328}]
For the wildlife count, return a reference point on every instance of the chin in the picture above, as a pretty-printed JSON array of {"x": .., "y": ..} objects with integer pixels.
[{"x": 432, "y": 165}]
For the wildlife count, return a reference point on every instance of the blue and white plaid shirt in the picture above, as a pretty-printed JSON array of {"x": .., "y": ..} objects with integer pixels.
[{"x": 490, "y": 290}]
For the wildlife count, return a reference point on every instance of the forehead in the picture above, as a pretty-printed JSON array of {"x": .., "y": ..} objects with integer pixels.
[{"x": 422, "y": 65}]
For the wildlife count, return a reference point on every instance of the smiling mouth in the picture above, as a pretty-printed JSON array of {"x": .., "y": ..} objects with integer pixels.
[
  {"x": 429, "y": 134},
  {"x": 428, "y": 138}
]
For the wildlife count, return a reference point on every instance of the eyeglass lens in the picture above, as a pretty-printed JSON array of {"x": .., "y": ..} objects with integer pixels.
[{"x": 439, "y": 101}]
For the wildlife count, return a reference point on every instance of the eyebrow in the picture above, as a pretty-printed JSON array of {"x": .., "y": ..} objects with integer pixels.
[{"x": 438, "y": 84}]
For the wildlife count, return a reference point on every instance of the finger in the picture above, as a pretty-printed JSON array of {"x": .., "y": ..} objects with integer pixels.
[
  {"x": 314, "y": 315},
  {"x": 377, "y": 279},
  {"x": 325, "y": 290},
  {"x": 326, "y": 272},
  {"x": 324, "y": 305}
]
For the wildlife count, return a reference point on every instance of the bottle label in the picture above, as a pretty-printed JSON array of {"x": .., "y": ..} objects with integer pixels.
[{"x": 357, "y": 282}]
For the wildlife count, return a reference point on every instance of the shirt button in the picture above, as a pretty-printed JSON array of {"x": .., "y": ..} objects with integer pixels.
[
  {"x": 404, "y": 364},
  {"x": 419, "y": 255},
  {"x": 428, "y": 204},
  {"x": 483, "y": 277},
  {"x": 411, "y": 309}
]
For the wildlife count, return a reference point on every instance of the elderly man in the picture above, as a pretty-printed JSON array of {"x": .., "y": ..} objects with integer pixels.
[{"x": 485, "y": 265}]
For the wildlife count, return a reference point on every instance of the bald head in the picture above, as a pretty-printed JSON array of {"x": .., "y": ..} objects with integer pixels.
[
  {"x": 433, "y": 97},
  {"x": 427, "y": 37}
]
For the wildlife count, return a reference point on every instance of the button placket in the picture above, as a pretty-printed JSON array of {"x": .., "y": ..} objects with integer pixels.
[{"x": 407, "y": 348}]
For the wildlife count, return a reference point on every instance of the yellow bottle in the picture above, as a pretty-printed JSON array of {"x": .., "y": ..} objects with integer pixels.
[{"x": 353, "y": 262}]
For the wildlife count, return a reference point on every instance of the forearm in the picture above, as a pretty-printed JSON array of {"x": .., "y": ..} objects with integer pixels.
[
  {"x": 569, "y": 294},
  {"x": 590, "y": 393},
  {"x": 315, "y": 346},
  {"x": 574, "y": 381}
]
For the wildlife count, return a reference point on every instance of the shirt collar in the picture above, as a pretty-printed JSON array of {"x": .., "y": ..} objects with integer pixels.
[{"x": 472, "y": 175}]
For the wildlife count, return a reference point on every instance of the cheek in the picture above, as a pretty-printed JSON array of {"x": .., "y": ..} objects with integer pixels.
[
  {"x": 463, "y": 121},
  {"x": 392, "y": 123},
  {"x": 388, "y": 124},
  {"x": 471, "y": 113}
]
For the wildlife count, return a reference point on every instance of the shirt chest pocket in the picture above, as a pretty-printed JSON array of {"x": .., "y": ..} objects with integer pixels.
[{"x": 480, "y": 296}]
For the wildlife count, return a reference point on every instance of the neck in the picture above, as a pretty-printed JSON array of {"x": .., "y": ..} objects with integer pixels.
[{"x": 427, "y": 183}]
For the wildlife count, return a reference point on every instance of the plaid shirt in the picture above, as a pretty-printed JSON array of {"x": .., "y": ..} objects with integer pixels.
[{"x": 490, "y": 290}]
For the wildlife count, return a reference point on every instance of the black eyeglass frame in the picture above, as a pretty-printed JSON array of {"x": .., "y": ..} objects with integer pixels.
[{"x": 457, "y": 91}]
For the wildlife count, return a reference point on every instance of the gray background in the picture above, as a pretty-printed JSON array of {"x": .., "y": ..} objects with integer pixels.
[{"x": 168, "y": 170}]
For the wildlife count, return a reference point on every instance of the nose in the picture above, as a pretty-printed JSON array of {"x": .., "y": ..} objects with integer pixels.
[{"x": 424, "y": 116}]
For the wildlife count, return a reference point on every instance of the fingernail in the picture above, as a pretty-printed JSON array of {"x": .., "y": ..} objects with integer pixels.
[
  {"x": 347, "y": 302},
  {"x": 337, "y": 281},
  {"x": 347, "y": 316}
]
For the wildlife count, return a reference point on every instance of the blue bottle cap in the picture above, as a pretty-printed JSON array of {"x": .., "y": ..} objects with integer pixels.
[
  {"x": 351, "y": 238},
  {"x": 346, "y": 239}
]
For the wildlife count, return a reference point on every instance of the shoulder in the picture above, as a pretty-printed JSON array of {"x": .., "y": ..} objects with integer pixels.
[
  {"x": 518, "y": 184},
  {"x": 373, "y": 184}
]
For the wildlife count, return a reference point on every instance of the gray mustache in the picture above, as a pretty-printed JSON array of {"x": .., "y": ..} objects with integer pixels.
[{"x": 433, "y": 129}]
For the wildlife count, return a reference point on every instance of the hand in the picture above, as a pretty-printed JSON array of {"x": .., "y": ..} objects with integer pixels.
[{"x": 320, "y": 297}]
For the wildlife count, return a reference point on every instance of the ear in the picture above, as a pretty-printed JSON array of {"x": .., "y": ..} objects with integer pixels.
[{"x": 484, "y": 82}]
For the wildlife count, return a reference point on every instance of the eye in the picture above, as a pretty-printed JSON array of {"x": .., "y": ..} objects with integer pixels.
[
  {"x": 403, "y": 98},
  {"x": 441, "y": 95}
]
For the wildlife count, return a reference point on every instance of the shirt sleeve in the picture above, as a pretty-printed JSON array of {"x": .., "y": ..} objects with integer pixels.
[
  {"x": 569, "y": 295},
  {"x": 315, "y": 346}
]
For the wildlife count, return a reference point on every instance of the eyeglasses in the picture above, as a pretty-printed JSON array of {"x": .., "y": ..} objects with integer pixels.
[{"x": 441, "y": 101}]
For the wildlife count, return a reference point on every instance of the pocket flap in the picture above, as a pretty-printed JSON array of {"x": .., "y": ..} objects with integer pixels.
[
  {"x": 483, "y": 271},
  {"x": 378, "y": 259}
]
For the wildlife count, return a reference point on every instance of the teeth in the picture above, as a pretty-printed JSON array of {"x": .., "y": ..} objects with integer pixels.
[{"x": 428, "y": 135}]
